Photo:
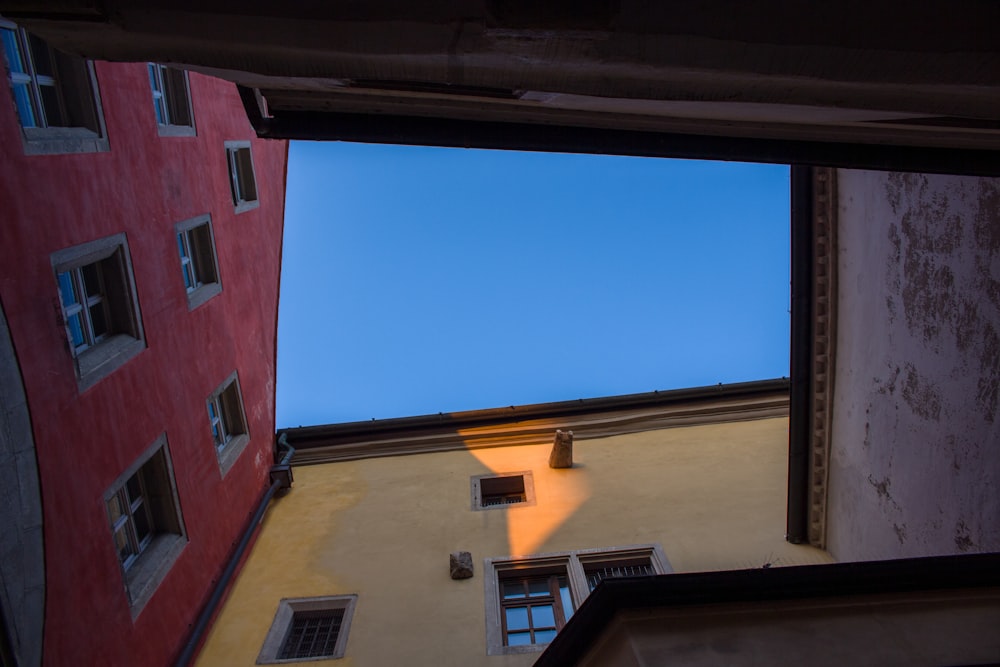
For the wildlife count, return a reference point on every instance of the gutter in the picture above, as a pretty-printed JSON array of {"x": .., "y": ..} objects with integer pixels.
[{"x": 281, "y": 478}]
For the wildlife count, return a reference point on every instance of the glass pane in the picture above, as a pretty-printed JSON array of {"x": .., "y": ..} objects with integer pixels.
[
  {"x": 75, "y": 325},
  {"x": 54, "y": 116},
  {"x": 66, "y": 289},
  {"x": 566, "y": 597},
  {"x": 151, "y": 68},
  {"x": 91, "y": 279},
  {"x": 22, "y": 98},
  {"x": 134, "y": 488},
  {"x": 538, "y": 587},
  {"x": 517, "y": 618},
  {"x": 122, "y": 544},
  {"x": 519, "y": 639},
  {"x": 142, "y": 527},
  {"x": 12, "y": 50},
  {"x": 41, "y": 55},
  {"x": 544, "y": 636},
  {"x": 543, "y": 616},
  {"x": 98, "y": 320},
  {"x": 115, "y": 509},
  {"x": 513, "y": 589}
]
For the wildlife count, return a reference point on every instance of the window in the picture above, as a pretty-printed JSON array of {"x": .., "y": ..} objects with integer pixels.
[
  {"x": 146, "y": 523},
  {"x": 530, "y": 599},
  {"x": 171, "y": 100},
  {"x": 56, "y": 98},
  {"x": 241, "y": 175},
  {"x": 497, "y": 491},
  {"x": 308, "y": 629},
  {"x": 99, "y": 307},
  {"x": 228, "y": 422},
  {"x": 533, "y": 608},
  {"x": 199, "y": 266}
]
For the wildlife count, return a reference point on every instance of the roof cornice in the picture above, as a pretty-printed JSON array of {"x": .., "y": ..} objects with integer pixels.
[{"x": 535, "y": 424}]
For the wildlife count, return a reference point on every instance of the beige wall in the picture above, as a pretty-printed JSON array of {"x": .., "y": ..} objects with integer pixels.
[{"x": 713, "y": 496}]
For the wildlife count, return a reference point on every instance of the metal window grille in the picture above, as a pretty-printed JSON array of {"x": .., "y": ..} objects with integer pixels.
[
  {"x": 312, "y": 635},
  {"x": 503, "y": 499},
  {"x": 504, "y": 490},
  {"x": 598, "y": 574}
]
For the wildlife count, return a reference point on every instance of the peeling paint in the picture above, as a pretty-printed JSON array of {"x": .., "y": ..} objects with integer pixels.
[
  {"x": 921, "y": 394},
  {"x": 962, "y": 539}
]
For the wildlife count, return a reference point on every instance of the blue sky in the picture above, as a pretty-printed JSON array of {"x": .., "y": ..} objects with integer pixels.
[{"x": 421, "y": 280}]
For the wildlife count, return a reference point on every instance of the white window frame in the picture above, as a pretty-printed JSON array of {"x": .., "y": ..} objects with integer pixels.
[
  {"x": 282, "y": 624},
  {"x": 242, "y": 200},
  {"x": 152, "y": 556},
  {"x": 167, "y": 95},
  {"x": 196, "y": 238},
  {"x": 99, "y": 354},
  {"x": 39, "y": 135},
  {"x": 575, "y": 564},
  {"x": 227, "y": 422}
]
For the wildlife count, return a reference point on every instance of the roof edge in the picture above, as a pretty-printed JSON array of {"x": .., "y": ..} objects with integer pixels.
[{"x": 536, "y": 423}]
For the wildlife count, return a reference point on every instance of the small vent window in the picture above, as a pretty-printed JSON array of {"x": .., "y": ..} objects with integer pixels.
[
  {"x": 502, "y": 490},
  {"x": 306, "y": 629}
]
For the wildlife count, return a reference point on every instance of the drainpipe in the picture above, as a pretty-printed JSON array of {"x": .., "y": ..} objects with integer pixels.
[{"x": 281, "y": 478}]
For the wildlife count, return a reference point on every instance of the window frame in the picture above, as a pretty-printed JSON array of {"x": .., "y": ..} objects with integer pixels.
[
  {"x": 144, "y": 570},
  {"x": 204, "y": 274},
  {"x": 476, "y": 484},
  {"x": 573, "y": 563},
  {"x": 238, "y": 179},
  {"x": 171, "y": 89},
  {"x": 100, "y": 355},
  {"x": 73, "y": 78},
  {"x": 277, "y": 635},
  {"x": 227, "y": 414}
]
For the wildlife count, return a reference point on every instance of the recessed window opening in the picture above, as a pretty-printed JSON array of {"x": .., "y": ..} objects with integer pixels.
[
  {"x": 501, "y": 490},
  {"x": 630, "y": 567},
  {"x": 171, "y": 98},
  {"x": 313, "y": 634},
  {"x": 306, "y": 629},
  {"x": 534, "y": 608}
]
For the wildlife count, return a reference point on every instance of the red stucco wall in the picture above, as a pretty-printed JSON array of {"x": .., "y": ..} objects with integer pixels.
[{"x": 142, "y": 186}]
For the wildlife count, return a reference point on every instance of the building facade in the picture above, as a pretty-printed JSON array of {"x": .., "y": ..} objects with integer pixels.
[
  {"x": 139, "y": 266},
  {"x": 681, "y": 481}
]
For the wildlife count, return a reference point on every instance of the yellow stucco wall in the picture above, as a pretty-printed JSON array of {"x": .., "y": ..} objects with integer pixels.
[{"x": 712, "y": 496}]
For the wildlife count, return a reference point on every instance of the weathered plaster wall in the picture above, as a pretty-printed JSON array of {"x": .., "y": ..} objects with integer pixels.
[
  {"x": 915, "y": 459},
  {"x": 713, "y": 496}
]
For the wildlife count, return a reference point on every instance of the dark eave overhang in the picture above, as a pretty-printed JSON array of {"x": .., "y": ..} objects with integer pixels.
[
  {"x": 536, "y": 424},
  {"x": 762, "y": 586},
  {"x": 524, "y": 136}
]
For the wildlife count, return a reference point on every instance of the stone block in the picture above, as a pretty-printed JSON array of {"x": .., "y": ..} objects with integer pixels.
[{"x": 461, "y": 565}]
